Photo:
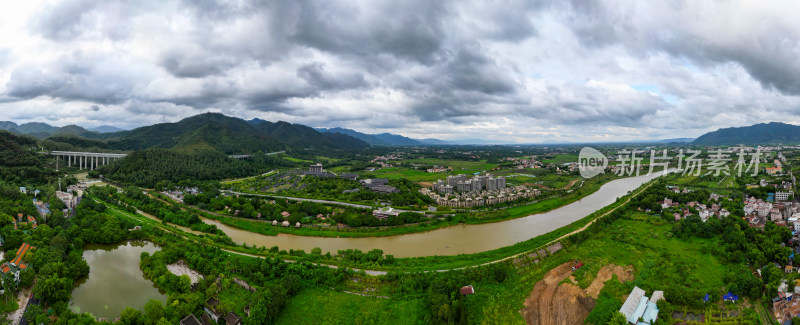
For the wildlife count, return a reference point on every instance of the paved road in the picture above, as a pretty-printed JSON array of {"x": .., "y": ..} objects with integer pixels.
[
  {"x": 177, "y": 231},
  {"x": 308, "y": 200}
]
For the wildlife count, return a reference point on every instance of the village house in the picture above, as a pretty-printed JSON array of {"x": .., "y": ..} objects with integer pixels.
[
  {"x": 638, "y": 306},
  {"x": 190, "y": 320}
]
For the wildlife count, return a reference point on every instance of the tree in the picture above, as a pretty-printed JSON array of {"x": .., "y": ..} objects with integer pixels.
[
  {"x": 185, "y": 283},
  {"x": 618, "y": 319},
  {"x": 131, "y": 316},
  {"x": 154, "y": 311}
]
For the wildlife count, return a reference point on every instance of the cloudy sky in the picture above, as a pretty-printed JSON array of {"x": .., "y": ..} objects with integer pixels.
[{"x": 517, "y": 71}]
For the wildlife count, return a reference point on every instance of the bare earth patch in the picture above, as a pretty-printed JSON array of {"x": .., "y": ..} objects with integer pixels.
[
  {"x": 22, "y": 299},
  {"x": 180, "y": 268},
  {"x": 624, "y": 274},
  {"x": 552, "y": 302}
]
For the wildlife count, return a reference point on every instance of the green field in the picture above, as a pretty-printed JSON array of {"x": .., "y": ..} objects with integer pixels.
[
  {"x": 325, "y": 306},
  {"x": 643, "y": 242},
  {"x": 421, "y": 175},
  {"x": 413, "y": 175}
]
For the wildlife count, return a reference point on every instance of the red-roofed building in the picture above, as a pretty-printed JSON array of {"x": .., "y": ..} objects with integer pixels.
[
  {"x": 467, "y": 290},
  {"x": 16, "y": 265},
  {"x": 20, "y": 253},
  {"x": 32, "y": 222}
]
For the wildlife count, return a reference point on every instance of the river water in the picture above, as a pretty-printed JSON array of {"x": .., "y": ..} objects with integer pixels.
[
  {"x": 459, "y": 239},
  {"x": 115, "y": 280}
]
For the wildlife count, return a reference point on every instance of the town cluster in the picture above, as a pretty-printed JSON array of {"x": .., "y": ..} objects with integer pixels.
[
  {"x": 460, "y": 183},
  {"x": 524, "y": 162},
  {"x": 384, "y": 160},
  {"x": 486, "y": 197},
  {"x": 704, "y": 211}
]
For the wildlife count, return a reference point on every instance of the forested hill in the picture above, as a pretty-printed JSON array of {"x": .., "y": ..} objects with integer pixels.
[
  {"x": 303, "y": 136},
  {"x": 148, "y": 167},
  {"x": 764, "y": 133},
  {"x": 18, "y": 162},
  {"x": 217, "y": 132}
]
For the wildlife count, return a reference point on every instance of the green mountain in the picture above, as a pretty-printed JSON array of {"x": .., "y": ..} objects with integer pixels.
[
  {"x": 763, "y": 133},
  {"x": 213, "y": 131},
  {"x": 18, "y": 161},
  {"x": 297, "y": 135}
]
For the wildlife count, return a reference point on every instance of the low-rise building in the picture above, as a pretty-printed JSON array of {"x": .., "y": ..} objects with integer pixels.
[{"x": 384, "y": 213}]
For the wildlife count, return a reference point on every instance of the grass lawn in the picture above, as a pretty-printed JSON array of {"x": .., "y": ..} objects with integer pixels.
[
  {"x": 325, "y": 306},
  {"x": 414, "y": 175}
]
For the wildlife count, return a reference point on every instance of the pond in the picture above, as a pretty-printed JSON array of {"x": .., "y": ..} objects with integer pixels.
[{"x": 115, "y": 280}]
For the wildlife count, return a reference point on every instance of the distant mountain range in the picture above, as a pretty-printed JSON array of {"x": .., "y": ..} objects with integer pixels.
[
  {"x": 763, "y": 133},
  {"x": 389, "y": 139},
  {"x": 383, "y": 139},
  {"x": 230, "y": 135},
  {"x": 676, "y": 140},
  {"x": 106, "y": 129},
  {"x": 210, "y": 131},
  {"x": 40, "y": 130}
]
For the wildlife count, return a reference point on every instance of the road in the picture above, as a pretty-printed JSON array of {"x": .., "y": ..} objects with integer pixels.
[
  {"x": 179, "y": 232},
  {"x": 379, "y": 272},
  {"x": 244, "y": 178},
  {"x": 361, "y": 206}
]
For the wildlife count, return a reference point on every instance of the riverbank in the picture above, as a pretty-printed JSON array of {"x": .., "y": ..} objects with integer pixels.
[
  {"x": 473, "y": 218},
  {"x": 416, "y": 264}
]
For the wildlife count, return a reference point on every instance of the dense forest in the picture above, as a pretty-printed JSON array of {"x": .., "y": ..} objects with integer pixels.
[
  {"x": 148, "y": 167},
  {"x": 20, "y": 163}
]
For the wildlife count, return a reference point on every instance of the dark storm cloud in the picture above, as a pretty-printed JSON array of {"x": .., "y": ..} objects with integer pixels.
[
  {"x": 73, "y": 79},
  {"x": 186, "y": 65},
  {"x": 63, "y": 20},
  {"x": 410, "y": 30},
  {"x": 316, "y": 75}
]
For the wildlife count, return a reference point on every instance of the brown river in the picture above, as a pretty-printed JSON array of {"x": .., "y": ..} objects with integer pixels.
[{"x": 460, "y": 239}]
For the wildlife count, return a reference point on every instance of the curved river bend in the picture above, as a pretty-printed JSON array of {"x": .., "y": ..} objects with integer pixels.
[{"x": 454, "y": 240}]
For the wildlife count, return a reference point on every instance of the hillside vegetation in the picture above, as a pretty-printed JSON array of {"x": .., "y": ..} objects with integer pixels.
[
  {"x": 18, "y": 163},
  {"x": 763, "y": 133}
]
